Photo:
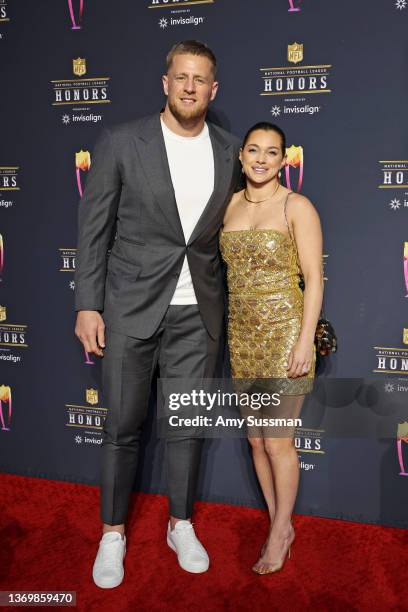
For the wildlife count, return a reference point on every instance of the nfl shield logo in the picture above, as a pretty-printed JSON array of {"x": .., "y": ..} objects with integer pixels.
[
  {"x": 2, "y": 313},
  {"x": 295, "y": 53},
  {"x": 92, "y": 396},
  {"x": 79, "y": 66}
]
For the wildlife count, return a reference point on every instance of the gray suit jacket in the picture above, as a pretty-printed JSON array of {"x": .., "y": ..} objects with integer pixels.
[{"x": 131, "y": 245}]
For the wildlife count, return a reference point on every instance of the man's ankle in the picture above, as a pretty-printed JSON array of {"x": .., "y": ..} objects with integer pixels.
[
  {"x": 174, "y": 521},
  {"x": 114, "y": 528}
]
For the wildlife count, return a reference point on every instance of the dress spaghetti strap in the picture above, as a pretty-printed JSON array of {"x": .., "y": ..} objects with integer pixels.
[
  {"x": 290, "y": 233},
  {"x": 286, "y": 217}
]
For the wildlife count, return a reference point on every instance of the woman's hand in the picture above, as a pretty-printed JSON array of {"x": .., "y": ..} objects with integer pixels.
[{"x": 300, "y": 359}]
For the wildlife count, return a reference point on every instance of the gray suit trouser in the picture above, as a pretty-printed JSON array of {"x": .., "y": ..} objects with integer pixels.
[{"x": 182, "y": 348}]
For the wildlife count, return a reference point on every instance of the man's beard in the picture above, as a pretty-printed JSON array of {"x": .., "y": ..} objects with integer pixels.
[{"x": 186, "y": 115}]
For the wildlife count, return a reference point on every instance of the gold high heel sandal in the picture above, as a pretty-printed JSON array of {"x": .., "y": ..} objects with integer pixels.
[
  {"x": 277, "y": 566},
  {"x": 273, "y": 568},
  {"x": 264, "y": 545}
]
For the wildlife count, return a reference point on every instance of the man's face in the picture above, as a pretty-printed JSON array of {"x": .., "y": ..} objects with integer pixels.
[{"x": 189, "y": 86}]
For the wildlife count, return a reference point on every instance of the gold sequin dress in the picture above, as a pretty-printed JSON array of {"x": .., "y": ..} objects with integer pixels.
[{"x": 265, "y": 308}]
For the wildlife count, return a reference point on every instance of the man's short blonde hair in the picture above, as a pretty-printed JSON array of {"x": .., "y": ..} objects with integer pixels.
[{"x": 192, "y": 47}]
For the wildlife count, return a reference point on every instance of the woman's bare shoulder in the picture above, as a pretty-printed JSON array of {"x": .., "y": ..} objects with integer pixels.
[
  {"x": 236, "y": 196},
  {"x": 300, "y": 206},
  {"x": 233, "y": 201}
]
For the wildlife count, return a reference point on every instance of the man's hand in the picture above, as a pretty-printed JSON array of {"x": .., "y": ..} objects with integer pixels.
[{"x": 90, "y": 329}]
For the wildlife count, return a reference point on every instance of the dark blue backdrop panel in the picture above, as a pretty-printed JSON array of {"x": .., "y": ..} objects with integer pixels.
[{"x": 339, "y": 93}]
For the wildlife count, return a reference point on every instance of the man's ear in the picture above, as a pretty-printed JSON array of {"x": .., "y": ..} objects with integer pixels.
[
  {"x": 165, "y": 82},
  {"x": 214, "y": 90}
]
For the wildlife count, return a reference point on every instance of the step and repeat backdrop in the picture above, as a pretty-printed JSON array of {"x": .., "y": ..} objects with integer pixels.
[{"x": 333, "y": 75}]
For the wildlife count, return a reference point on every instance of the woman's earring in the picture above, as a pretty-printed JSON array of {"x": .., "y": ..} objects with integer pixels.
[{"x": 280, "y": 173}]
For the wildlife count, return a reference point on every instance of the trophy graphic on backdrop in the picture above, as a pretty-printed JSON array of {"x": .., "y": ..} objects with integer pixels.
[
  {"x": 292, "y": 8},
  {"x": 402, "y": 436},
  {"x": 75, "y": 25},
  {"x": 82, "y": 162},
  {"x": 406, "y": 267},
  {"x": 88, "y": 360},
  {"x": 5, "y": 398},
  {"x": 294, "y": 159}
]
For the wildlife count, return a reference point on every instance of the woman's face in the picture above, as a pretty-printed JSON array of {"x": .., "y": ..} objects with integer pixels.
[{"x": 262, "y": 157}]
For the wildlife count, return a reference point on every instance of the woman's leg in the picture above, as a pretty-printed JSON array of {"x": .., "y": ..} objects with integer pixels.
[
  {"x": 264, "y": 473},
  {"x": 284, "y": 462}
]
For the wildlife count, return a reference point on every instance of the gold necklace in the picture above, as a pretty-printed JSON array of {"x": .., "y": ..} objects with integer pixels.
[
  {"x": 251, "y": 227},
  {"x": 260, "y": 201}
]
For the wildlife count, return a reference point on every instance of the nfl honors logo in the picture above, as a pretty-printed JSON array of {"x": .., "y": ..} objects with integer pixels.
[
  {"x": 295, "y": 53},
  {"x": 92, "y": 396},
  {"x": 79, "y": 66},
  {"x": 3, "y": 11},
  {"x": 173, "y": 3},
  {"x": 90, "y": 418},
  {"x": 67, "y": 260},
  {"x": 12, "y": 335},
  {"x": 80, "y": 90},
  {"x": 393, "y": 360},
  {"x": 294, "y": 79}
]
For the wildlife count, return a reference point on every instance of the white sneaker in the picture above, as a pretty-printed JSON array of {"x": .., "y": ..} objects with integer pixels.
[
  {"x": 191, "y": 554},
  {"x": 107, "y": 570}
]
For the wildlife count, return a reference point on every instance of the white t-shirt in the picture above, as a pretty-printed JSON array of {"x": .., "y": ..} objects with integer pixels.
[{"x": 191, "y": 163}]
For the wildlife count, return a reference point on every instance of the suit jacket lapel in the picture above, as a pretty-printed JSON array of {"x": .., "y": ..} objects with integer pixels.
[
  {"x": 153, "y": 158},
  {"x": 223, "y": 167},
  {"x": 155, "y": 164}
]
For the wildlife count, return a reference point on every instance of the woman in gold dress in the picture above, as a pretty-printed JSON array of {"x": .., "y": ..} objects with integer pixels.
[{"x": 271, "y": 241}]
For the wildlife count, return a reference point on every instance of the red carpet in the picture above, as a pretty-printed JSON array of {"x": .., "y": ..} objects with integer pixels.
[{"x": 50, "y": 530}]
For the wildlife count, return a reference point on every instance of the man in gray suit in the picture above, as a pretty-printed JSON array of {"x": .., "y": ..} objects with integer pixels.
[{"x": 155, "y": 199}]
